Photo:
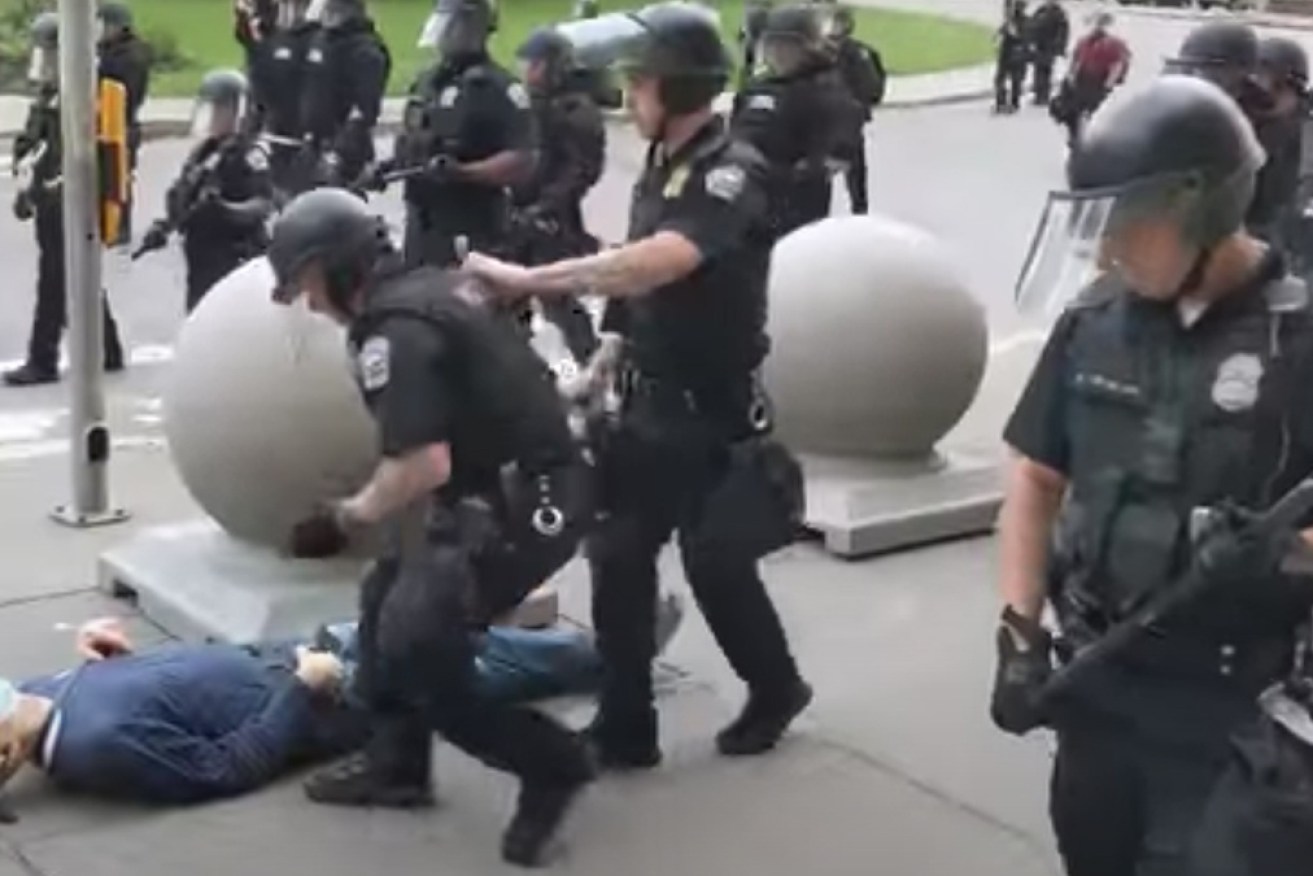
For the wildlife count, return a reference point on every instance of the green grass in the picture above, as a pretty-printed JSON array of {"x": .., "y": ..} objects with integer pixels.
[{"x": 202, "y": 30}]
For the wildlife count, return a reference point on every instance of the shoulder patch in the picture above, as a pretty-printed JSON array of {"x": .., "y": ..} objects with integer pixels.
[
  {"x": 447, "y": 98},
  {"x": 257, "y": 160},
  {"x": 518, "y": 96},
  {"x": 375, "y": 363},
  {"x": 726, "y": 182}
]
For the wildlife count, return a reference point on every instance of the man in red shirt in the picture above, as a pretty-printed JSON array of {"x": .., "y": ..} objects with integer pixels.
[{"x": 1098, "y": 64}]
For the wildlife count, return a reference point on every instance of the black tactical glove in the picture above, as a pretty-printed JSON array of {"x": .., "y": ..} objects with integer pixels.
[
  {"x": 1021, "y": 674},
  {"x": 156, "y": 237},
  {"x": 23, "y": 209},
  {"x": 318, "y": 537}
]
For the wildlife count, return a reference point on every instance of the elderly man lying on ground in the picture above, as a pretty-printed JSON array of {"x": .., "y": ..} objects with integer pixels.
[{"x": 182, "y": 723}]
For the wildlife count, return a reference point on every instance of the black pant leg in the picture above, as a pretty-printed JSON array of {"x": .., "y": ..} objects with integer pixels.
[
  {"x": 1043, "y": 79},
  {"x": 1095, "y": 803},
  {"x": 50, "y": 311},
  {"x": 856, "y": 178}
]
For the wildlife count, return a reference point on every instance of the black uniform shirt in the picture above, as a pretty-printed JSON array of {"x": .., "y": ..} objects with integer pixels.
[
  {"x": 126, "y": 59},
  {"x": 435, "y": 369},
  {"x": 234, "y": 168},
  {"x": 706, "y": 330},
  {"x": 1037, "y": 428},
  {"x": 798, "y": 118},
  {"x": 470, "y": 110}
]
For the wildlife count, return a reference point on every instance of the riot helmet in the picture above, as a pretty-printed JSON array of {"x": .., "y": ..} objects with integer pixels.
[
  {"x": 326, "y": 234},
  {"x": 1223, "y": 52},
  {"x": 546, "y": 59},
  {"x": 333, "y": 14},
  {"x": 459, "y": 27},
  {"x": 44, "y": 38},
  {"x": 113, "y": 18},
  {"x": 1159, "y": 177},
  {"x": 291, "y": 13},
  {"x": 678, "y": 46},
  {"x": 1282, "y": 64},
  {"x": 792, "y": 35},
  {"x": 221, "y": 104},
  {"x": 840, "y": 23}
]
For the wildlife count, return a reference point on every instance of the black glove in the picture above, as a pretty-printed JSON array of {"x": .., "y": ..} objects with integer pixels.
[
  {"x": 1021, "y": 675},
  {"x": 318, "y": 537},
  {"x": 23, "y": 208},
  {"x": 156, "y": 237}
]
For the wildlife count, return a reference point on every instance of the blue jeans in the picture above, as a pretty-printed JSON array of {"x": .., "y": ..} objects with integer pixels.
[{"x": 513, "y": 664}]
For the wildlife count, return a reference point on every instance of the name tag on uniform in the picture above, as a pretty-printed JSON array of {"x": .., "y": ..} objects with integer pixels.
[
  {"x": 762, "y": 102},
  {"x": 675, "y": 185},
  {"x": 447, "y": 98}
]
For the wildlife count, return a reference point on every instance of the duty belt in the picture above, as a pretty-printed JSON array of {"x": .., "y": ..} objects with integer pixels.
[{"x": 633, "y": 384}]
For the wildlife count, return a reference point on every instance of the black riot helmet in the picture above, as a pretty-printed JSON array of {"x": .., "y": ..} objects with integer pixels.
[
  {"x": 679, "y": 45},
  {"x": 114, "y": 17},
  {"x": 548, "y": 46},
  {"x": 459, "y": 27},
  {"x": 792, "y": 36},
  {"x": 1284, "y": 62},
  {"x": 333, "y": 229},
  {"x": 1223, "y": 52},
  {"x": 43, "y": 36},
  {"x": 221, "y": 104},
  {"x": 1179, "y": 150},
  {"x": 334, "y": 14}
]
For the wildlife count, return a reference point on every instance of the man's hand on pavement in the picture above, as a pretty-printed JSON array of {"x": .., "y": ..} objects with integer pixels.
[
  {"x": 102, "y": 638},
  {"x": 318, "y": 670}
]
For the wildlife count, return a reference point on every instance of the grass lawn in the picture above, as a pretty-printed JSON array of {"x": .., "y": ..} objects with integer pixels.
[{"x": 202, "y": 29}]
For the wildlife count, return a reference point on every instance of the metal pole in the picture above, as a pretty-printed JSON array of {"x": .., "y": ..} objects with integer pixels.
[{"x": 88, "y": 432}]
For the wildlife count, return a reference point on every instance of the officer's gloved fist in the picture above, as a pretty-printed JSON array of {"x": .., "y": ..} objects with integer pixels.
[
  {"x": 319, "y": 536},
  {"x": 1024, "y": 668}
]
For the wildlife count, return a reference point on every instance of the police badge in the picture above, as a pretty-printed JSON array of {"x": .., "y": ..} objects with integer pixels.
[{"x": 1236, "y": 386}]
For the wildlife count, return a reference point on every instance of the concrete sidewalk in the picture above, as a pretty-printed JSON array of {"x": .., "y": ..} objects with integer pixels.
[{"x": 171, "y": 116}]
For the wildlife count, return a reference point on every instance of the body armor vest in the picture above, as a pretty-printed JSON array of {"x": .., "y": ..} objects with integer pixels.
[{"x": 1162, "y": 419}]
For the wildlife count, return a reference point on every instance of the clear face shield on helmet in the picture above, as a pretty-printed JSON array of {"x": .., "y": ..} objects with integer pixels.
[
  {"x": 43, "y": 68},
  {"x": 782, "y": 55},
  {"x": 217, "y": 119},
  {"x": 329, "y": 13},
  {"x": 1083, "y": 236},
  {"x": 291, "y": 13},
  {"x": 455, "y": 28}
]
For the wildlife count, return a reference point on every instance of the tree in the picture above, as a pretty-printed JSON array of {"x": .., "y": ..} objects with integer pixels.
[{"x": 15, "y": 19}]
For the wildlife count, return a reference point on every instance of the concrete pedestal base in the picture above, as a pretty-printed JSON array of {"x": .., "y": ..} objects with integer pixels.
[
  {"x": 867, "y": 506},
  {"x": 198, "y": 583}
]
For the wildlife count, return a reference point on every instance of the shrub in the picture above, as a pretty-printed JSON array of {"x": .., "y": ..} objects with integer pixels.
[
  {"x": 166, "y": 53},
  {"x": 15, "y": 19}
]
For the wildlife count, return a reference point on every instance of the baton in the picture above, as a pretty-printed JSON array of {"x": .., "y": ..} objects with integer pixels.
[{"x": 1283, "y": 516}]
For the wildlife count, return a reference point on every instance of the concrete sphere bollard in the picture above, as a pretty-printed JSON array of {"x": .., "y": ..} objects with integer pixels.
[
  {"x": 877, "y": 348},
  {"x": 261, "y": 411}
]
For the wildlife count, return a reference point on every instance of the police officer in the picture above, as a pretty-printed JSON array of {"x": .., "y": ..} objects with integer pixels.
[
  {"x": 1283, "y": 74},
  {"x": 482, "y": 489},
  {"x": 1226, "y": 54},
  {"x": 348, "y": 67},
  {"x": 862, "y": 69},
  {"x": 278, "y": 67},
  {"x": 37, "y": 162},
  {"x": 571, "y": 140},
  {"x": 1173, "y": 382},
  {"x": 754, "y": 21},
  {"x": 222, "y": 197},
  {"x": 691, "y": 285},
  {"x": 125, "y": 58},
  {"x": 467, "y": 135},
  {"x": 1049, "y": 33},
  {"x": 798, "y": 115}
]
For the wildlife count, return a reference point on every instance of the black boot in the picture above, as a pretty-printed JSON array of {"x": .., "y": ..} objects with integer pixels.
[
  {"x": 538, "y": 815},
  {"x": 29, "y": 374},
  {"x": 628, "y": 743},
  {"x": 763, "y": 721},
  {"x": 394, "y": 772}
]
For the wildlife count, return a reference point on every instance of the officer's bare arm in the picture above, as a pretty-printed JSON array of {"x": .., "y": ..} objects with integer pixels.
[
  {"x": 625, "y": 271},
  {"x": 507, "y": 168},
  {"x": 397, "y": 482},
  {"x": 1032, "y": 495}
]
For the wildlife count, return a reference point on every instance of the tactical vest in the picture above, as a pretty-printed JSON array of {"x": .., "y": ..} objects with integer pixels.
[
  {"x": 1161, "y": 419},
  {"x": 506, "y": 407}
]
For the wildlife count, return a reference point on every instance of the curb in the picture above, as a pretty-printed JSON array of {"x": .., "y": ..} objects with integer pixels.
[
  {"x": 1279, "y": 20},
  {"x": 167, "y": 128}
]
